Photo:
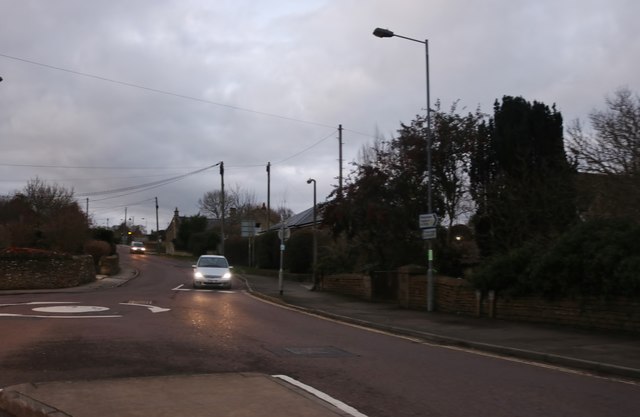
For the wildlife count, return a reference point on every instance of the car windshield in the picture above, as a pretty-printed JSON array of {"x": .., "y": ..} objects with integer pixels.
[
  {"x": 137, "y": 244},
  {"x": 213, "y": 262}
]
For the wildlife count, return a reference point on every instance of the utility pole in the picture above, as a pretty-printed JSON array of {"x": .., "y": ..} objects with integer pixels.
[
  {"x": 340, "y": 161},
  {"x": 268, "y": 195},
  {"x": 157, "y": 229}
]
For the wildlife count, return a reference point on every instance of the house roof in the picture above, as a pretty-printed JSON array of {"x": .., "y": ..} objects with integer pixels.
[{"x": 300, "y": 220}]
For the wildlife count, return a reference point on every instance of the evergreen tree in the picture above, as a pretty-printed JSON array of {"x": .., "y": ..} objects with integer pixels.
[{"x": 522, "y": 183}]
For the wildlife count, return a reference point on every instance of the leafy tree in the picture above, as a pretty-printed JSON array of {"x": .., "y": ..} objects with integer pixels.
[
  {"x": 453, "y": 137},
  {"x": 522, "y": 183},
  {"x": 382, "y": 199},
  {"x": 387, "y": 191}
]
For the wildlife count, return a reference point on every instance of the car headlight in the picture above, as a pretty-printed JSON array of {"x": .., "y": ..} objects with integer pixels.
[
  {"x": 198, "y": 274},
  {"x": 227, "y": 275}
]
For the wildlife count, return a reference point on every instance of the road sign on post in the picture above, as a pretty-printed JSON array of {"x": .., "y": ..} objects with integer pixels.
[
  {"x": 429, "y": 233},
  {"x": 284, "y": 233},
  {"x": 428, "y": 220}
]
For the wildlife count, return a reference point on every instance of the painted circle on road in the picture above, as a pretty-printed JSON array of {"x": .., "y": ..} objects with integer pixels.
[{"x": 70, "y": 309}]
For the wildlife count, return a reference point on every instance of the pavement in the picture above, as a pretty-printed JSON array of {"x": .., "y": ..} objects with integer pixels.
[{"x": 602, "y": 353}]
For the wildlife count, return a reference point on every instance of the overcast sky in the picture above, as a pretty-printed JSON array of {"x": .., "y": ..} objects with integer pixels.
[{"x": 105, "y": 95}]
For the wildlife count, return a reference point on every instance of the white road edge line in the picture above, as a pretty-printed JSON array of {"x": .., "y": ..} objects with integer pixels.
[{"x": 324, "y": 397}]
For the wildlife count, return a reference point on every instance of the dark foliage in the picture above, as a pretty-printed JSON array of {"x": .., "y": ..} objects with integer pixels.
[
  {"x": 599, "y": 258},
  {"x": 521, "y": 180}
]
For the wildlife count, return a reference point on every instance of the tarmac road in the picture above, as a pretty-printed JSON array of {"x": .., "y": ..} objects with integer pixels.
[{"x": 221, "y": 332}]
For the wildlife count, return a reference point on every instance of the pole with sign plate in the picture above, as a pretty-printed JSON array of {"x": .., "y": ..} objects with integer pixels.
[
  {"x": 429, "y": 223},
  {"x": 283, "y": 234}
]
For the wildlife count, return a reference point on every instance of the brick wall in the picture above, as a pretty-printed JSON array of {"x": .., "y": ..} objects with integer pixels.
[
  {"x": 358, "y": 285},
  {"x": 46, "y": 272},
  {"x": 459, "y": 297},
  {"x": 614, "y": 314}
]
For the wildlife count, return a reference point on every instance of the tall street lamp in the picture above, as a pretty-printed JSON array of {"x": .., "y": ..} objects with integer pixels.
[
  {"x": 386, "y": 33},
  {"x": 222, "y": 207},
  {"x": 315, "y": 235}
]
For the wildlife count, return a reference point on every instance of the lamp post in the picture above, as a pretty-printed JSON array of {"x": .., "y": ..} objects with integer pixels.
[
  {"x": 386, "y": 33},
  {"x": 315, "y": 235}
]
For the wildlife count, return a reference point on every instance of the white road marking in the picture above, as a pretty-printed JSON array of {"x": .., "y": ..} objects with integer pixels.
[
  {"x": 153, "y": 309},
  {"x": 39, "y": 302},
  {"x": 324, "y": 397},
  {"x": 182, "y": 288},
  {"x": 70, "y": 309},
  {"x": 57, "y": 317}
]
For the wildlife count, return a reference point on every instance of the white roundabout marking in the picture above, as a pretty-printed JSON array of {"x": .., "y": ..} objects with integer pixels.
[{"x": 70, "y": 309}]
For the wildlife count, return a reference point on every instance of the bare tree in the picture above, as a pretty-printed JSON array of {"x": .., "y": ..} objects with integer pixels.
[
  {"x": 614, "y": 146},
  {"x": 611, "y": 154},
  {"x": 237, "y": 202}
]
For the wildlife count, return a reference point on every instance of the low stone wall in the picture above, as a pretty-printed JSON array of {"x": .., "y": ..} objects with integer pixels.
[
  {"x": 614, "y": 314},
  {"x": 109, "y": 265},
  {"x": 358, "y": 285},
  {"x": 458, "y": 296},
  {"x": 41, "y": 272}
]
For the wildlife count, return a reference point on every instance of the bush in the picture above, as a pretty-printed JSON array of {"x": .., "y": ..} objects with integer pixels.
[
  {"x": 106, "y": 235},
  {"x": 596, "y": 258},
  {"x": 299, "y": 255},
  {"x": 97, "y": 249},
  {"x": 509, "y": 272},
  {"x": 268, "y": 250},
  {"x": 201, "y": 242}
]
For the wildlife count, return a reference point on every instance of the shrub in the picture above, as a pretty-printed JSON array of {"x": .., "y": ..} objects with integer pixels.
[
  {"x": 97, "y": 249},
  {"x": 509, "y": 272},
  {"x": 201, "y": 242},
  {"x": 106, "y": 235},
  {"x": 299, "y": 256},
  {"x": 268, "y": 250},
  {"x": 596, "y": 258}
]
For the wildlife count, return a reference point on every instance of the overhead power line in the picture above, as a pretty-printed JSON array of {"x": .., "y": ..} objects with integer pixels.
[
  {"x": 143, "y": 187},
  {"x": 167, "y": 93}
]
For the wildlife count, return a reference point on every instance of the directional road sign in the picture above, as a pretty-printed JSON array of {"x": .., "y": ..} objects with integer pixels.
[
  {"x": 429, "y": 233},
  {"x": 428, "y": 220}
]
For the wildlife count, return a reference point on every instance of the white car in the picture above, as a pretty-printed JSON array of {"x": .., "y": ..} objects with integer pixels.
[
  {"x": 137, "y": 247},
  {"x": 212, "y": 270}
]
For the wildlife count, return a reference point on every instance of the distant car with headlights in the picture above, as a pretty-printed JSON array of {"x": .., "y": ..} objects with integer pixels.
[
  {"x": 137, "y": 247},
  {"x": 212, "y": 271}
]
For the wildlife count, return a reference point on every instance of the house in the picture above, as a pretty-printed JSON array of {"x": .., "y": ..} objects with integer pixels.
[{"x": 301, "y": 220}]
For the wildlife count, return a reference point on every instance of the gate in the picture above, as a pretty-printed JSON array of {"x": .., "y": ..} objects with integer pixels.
[{"x": 384, "y": 285}]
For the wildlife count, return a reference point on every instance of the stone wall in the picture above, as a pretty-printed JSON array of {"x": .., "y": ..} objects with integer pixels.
[
  {"x": 41, "y": 272},
  {"x": 613, "y": 314},
  {"x": 358, "y": 285},
  {"x": 457, "y": 296}
]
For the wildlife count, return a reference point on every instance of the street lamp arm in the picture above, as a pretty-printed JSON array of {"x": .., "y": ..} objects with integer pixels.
[{"x": 386, "y": 33}]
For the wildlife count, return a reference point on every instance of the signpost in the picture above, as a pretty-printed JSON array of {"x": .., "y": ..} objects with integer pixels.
[
  {"x": 428, "y": 223},
  {"x": 283, "y": 234}
]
